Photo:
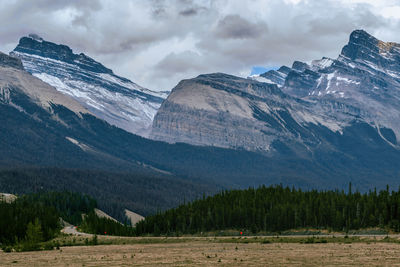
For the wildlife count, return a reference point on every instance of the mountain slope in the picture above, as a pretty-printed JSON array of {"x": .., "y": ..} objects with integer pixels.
[
  {"x": 48, "y": 141},
  {"x": 13, "y": 76},
  {"x": 107, "y": 96}
]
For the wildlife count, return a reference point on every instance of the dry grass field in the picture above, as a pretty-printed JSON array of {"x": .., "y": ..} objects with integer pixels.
[{"x": 213, "y": 252}]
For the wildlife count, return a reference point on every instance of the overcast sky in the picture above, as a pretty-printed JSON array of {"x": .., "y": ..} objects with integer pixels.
[{"x": 156, "y": 43}]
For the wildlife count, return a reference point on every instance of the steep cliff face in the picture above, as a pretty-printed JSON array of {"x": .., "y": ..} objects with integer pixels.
[
  {"x": 216, "y": 109},
  {"x": 228, "y": 111},
  {"x": 112, "y": 98},
  {"x": 298, "y": 106},
  {"x": 12, "y": 62}
]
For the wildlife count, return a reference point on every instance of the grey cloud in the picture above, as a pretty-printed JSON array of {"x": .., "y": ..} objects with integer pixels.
[
  {"x": 20, "y": 7},
  {"x": 180, "y": 63},
  {"x": 158, "y": 42},
  {"x": 345, "y": 22},
  {"x": 192, "y": 11},
  {"x": 234, "y": 26},
  {"x": 185, "y": 8},
  {"x": 303, "y": 34},
  {"x": 188, "y": 12},
  {"x": 158, "y": 8},
  {"x": 22, "y": 17}
]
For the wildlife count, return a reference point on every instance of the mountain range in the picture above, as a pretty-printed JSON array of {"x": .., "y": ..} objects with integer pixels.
[
  {"x": 293, "y": 105},
  {"x": 321, "y": 124}
]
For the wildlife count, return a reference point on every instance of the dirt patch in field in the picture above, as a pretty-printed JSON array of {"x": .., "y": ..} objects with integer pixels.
[{"x": 206, "y": 253}]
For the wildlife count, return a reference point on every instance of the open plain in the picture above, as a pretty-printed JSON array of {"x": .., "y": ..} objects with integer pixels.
[{"x": 215, "y": 252}]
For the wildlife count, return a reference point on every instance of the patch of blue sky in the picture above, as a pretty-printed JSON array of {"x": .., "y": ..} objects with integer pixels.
[{"x": 259, "y": 70}]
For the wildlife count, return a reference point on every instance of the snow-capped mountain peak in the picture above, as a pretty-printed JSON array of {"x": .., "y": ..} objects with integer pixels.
[{"x": 115, "y": 99}]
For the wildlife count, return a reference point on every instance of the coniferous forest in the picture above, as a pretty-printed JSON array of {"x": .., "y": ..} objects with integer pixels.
[
  {"x": 28, "y": 222},
  {"x": 69, "y": 206},
  {"x": 35, "y": 218},
  {"x": 275, "y": 208}
]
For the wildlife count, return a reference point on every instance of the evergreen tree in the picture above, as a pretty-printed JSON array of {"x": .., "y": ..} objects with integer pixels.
[{"x": 34, "y": 232}]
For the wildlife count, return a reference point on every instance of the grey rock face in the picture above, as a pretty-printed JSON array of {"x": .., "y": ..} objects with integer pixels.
[
  {"x": 7, "y": 61},
  {"x": 228, "y": 111},
  {"x": 300, "y": 66},
  {"x": 211, "y": 102},
  {"x": 298, "y": 83},
  {"x": 35, "y": 45},
  {"x": 330, "y": 95}
]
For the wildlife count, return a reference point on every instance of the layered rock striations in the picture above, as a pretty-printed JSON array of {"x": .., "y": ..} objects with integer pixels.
[
  {"x": 299, "y": 106},
  {"x": 115, "y": 99}
]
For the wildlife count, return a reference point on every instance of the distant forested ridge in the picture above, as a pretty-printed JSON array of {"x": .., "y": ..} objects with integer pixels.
[
  {"x": 142, "y": 193},
  {"x": 275, "y": 208}
]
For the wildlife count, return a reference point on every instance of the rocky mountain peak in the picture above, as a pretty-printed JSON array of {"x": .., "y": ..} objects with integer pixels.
[
  {"x": 362, "y": 37},
  {"x": 35, "y": 45},
  {"x": 8, "y": 61},
  {"x": 363, "y": 46},
  {"x": 372, "y": 53},
  {"x": 284, "y": 69},
  {"x": 300, "y": 66},
  {"x": 107, "y": 96},
  {"x": 218, "y": 76}
]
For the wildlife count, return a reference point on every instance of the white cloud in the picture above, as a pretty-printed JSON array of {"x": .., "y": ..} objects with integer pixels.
[{"x": 156, "y": 43}]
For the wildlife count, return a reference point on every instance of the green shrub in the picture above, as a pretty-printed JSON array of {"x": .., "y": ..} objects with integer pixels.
[
  {"x": 310, "y": 240},
  {"x": 95, "y": 241},
  {"x": 7, "y": 249}
]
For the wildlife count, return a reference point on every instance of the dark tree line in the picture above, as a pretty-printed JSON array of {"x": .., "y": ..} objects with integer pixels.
[
  {"x": 34, "y": 218},
  {"x": 275, "y": 208},
  {"x": 68, "y": 205},
  {"x": 114, "y": 192}
]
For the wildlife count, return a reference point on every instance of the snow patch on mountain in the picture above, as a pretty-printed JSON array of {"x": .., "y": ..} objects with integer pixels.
[
  {"x": 322, "y": 63},
  {"x": 259, "y": 78},
  {"x": 115, "y": 99}
]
